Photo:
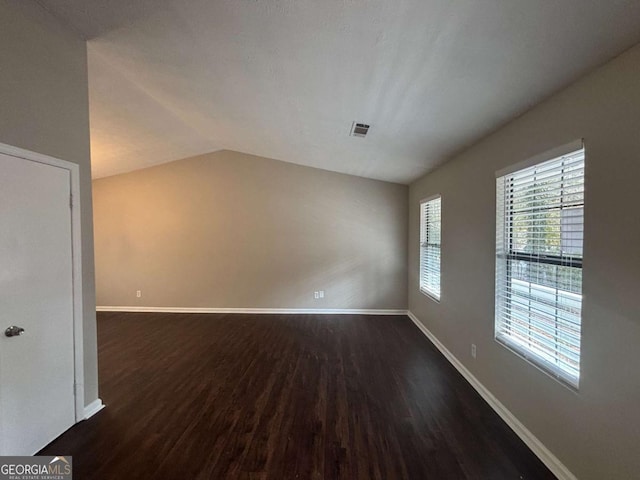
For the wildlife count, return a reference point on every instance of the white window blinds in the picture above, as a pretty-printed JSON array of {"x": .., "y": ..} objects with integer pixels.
[
  {"x": 540, "y": 225},
  {"x": 430, "y": 213}
]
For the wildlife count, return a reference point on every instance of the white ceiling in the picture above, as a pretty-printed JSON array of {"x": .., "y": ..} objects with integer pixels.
[{"x": 285, "y": 78}]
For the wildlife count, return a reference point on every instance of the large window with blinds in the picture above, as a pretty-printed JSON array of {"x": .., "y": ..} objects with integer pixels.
[
  {"x": 430, "y": 213},
  {"x": 540, "y": 224}
]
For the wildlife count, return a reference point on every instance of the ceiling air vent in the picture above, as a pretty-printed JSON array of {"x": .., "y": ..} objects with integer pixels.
[{"x": 359, "y": 129}]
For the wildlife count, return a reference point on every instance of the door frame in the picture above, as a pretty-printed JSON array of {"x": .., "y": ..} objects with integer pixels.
[{"x": 76, "y": 258}]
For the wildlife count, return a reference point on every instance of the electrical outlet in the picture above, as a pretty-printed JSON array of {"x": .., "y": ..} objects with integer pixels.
[
  {"x": 473, "y": 350},
  {"x": 138, "y": 293},
  {"x": 316, "y": 295},
  {"x": 321, "y": 293}
]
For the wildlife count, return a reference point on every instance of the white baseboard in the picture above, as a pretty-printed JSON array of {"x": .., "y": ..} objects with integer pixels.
[
  {"x": 536, "y": 446},
  {"x": 296, "y": 311},
  {"x": 93, "y": 408}
]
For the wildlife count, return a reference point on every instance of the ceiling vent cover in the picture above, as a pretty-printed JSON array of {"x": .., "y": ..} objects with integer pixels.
[{"x": 359, "y": 129}]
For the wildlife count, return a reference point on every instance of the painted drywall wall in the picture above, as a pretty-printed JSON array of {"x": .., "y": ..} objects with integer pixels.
[
  {"x": 45, "y": 109},
  {"x": 596, "y": 431},
  {"x": 230, "y": 230}
]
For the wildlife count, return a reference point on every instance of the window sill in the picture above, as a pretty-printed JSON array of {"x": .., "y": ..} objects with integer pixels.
[
  {"x": 431, "y": 295},
  {"x": 540, "y": 363}
]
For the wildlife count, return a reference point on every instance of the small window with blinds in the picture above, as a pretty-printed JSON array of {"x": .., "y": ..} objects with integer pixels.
[
  {"x": 540, "y": 225},
  {"x": 430, "y": 212}
]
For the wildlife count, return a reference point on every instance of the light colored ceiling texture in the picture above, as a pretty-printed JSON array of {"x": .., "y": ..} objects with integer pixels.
[{"x": 285, "y": 78}]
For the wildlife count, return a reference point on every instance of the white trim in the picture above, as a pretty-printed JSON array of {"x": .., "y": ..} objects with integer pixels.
[
  {"x": 551, "y": 154},
  {"x": 549, "y": 370},
  {"x": 93, "y": 408},
  {"x": 293, "y": 311},
  {"x": 429, "y": 294},
  {"x": 430, "y": 197},
  {"x": 76, "y": 255},
  {"x": 536, "y": 446}
]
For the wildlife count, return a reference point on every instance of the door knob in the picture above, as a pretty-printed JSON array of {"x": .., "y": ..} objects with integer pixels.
[{"x": 13, "y": 331}]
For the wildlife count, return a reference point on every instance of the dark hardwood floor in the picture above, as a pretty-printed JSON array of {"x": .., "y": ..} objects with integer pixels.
[{"x": 285, "y": 397}]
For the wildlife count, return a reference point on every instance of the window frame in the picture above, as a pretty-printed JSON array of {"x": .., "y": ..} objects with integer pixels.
[
  {"x": 432, "y": 294},
  {"x": 506, "y": 254}
]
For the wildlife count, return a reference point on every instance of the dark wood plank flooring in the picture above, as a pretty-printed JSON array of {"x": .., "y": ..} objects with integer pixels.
[{"x": 285, "y": 397}]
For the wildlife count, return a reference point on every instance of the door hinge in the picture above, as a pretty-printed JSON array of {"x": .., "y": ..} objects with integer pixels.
[{"x": 71, "y": 200}]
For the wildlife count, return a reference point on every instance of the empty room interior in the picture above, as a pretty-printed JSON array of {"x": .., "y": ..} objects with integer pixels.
[{"x": 297, "y": 239}]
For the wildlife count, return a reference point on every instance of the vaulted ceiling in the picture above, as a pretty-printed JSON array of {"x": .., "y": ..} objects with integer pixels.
[{"x": 285, "y": 79}]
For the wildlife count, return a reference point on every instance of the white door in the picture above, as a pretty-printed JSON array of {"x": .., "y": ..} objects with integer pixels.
[{"x": 36, "y": 294}]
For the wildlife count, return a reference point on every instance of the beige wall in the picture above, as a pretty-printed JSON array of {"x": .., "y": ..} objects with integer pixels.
[
  {"x": 229, "y": 230},
  {"x": 45, "y": 108},
  {"x": 595, "y": 432}
]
